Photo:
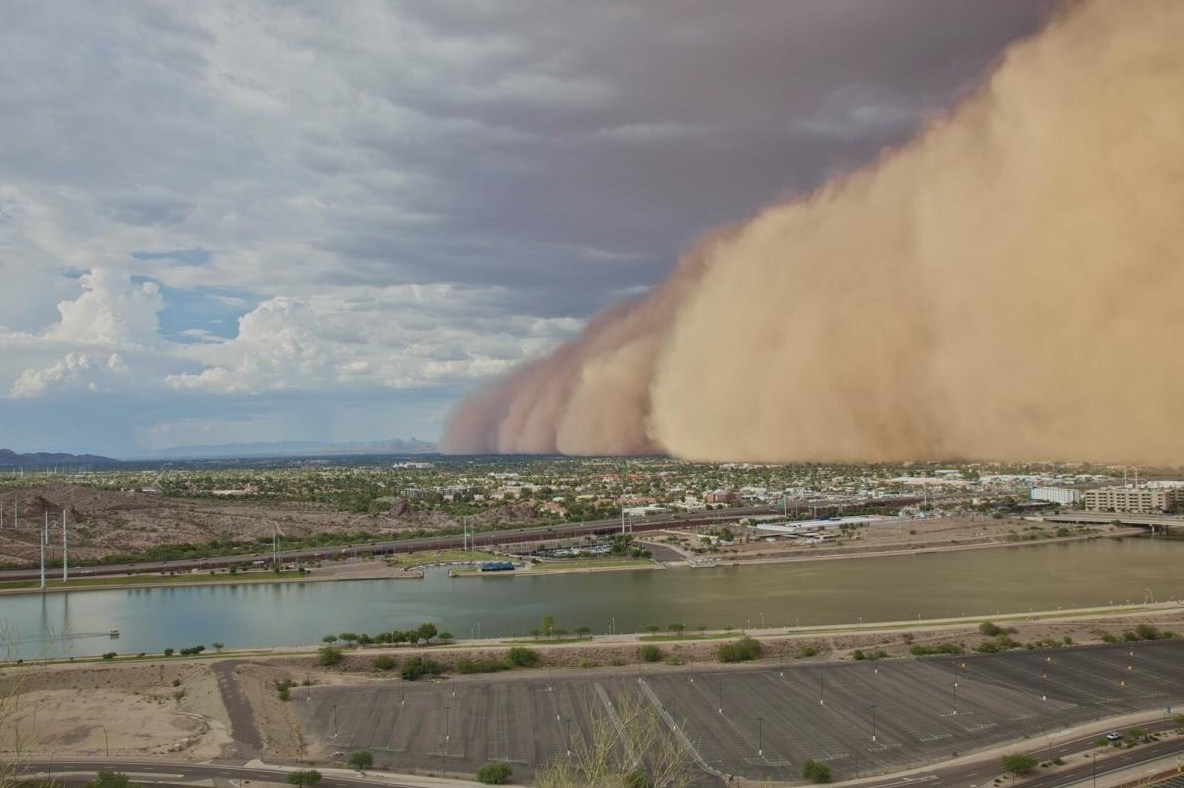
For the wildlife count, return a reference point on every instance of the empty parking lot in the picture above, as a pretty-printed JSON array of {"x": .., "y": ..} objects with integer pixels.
[{"x": 856, "y": 716}]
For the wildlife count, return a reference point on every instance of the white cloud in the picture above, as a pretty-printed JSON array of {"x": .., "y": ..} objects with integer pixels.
[{"x": 111, "y": 311}]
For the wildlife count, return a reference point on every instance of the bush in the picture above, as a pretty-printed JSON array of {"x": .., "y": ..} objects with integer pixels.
[
  {"x": 418, "y": 667},
  {"x": 494, "y": 773},
  {"x": 328, "y": 656},
  {"x": 990, "y": 629},
  {"x": 168, "y": 652},
  {"x": 305, "y": 778},
  {"x": 109, "y": 655},
  {"x": 807, "y": 651},
  {"x": 384, "y": 662},
  {"x": 485, "y": 665},
  {"x": 743, "y": 650},
  {"x": 1147, "y": 632},
  {"x": 815, "y": 771},
  {"x": 650, "y": 653},
  {"x": 360, "y": 760},
  {"x": 1108, "y": 637},
  {"x": 1019, "y": 763},
  {"x": 637, "y": 779},
  {"x": 858, "y": 654},
  {"x": 522, "y": 657}
]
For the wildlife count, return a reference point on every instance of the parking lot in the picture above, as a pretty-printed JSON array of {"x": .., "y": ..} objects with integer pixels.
[{"x": 858, "y": 717}]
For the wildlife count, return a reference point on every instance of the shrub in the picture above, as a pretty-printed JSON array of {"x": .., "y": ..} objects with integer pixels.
[
  {"x": 1147, "y": 632},
  {"x": 328, "y": 656},
  {"x": 522, "y": 657},
  {"x": 858, "y": 654},
  {"x": 990, "y": 629},
  {"x": 589, "y": 663},
  {"x": 807, "y": 651},
  {"x": 650, "y": 653},
  {"x": 384, "y": 662},
  {"x": 360, "y": 760},
  {"x": 1019, "y": 763},
  {"x": 743, "y": 650},
  {"x": 418, "y": 667},
  {"x": 109, "y": 655},
  {"x": 1101, "y": 743},
  {"x": 304, "y": 778},
  {"x": 637, "y": 779},
  {"x": 168, "y": 652},
  {"x": 494, "y": 773},
  {"x": 485, "y": 665},
  {"x": 815, "y": 771}
]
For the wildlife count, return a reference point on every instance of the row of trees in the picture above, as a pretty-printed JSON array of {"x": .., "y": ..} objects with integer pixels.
[{"x": 425, "y": 632}]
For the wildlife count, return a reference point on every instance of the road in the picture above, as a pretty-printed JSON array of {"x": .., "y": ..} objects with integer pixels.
[
  {"x": 484, "y": 539},
  {"x": 981, "y": 774},
  {"x": 180, "y": 772}
]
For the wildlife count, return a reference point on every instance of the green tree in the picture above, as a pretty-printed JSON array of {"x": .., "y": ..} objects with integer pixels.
[
  {"x": 547, "y": 626},
  {"x": 494, "y": 773},
  {"x": 426, "y": 631},
  {"x": 304, "y": 778},
  {"x": 653, "y": 628},
  {"x": 360, "y": 760},
  {"x": 815, "y": 771},
  {"x": 678, "y": 627},
  {"x": 330, "y": 639},
  {"x": 583, "y": 631},
  {"x": 1019, "y": 763}
]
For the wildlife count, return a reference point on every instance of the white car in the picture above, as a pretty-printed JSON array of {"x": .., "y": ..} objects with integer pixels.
[{"x": 1113, "y": 736}]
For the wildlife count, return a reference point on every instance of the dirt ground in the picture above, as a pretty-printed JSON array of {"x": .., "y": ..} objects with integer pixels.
[
  {"x": 122, "y": 709},
  {"x": 104, "y": 523}
]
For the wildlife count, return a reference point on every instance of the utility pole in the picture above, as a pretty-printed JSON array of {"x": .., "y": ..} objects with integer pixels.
[
  {"x": 65, "y": 549},
  {"x": 44, "y": 539}
]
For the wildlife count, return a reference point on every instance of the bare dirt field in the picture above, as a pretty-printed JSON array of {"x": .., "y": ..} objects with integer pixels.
[
  {"x": 103, "y": 523},
  {"x": 135, "y": 709}
]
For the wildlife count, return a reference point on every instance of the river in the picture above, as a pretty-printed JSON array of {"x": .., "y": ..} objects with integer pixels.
[{"x": 973, "y": 582}]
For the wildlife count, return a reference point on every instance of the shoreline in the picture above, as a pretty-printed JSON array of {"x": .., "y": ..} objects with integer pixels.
[{"x": 409, "y": 572}]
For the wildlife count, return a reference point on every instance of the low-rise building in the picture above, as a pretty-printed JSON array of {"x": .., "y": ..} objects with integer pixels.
[
  {"x": 1065, "y": 496},
  {"x": 1136, "y": 500}
]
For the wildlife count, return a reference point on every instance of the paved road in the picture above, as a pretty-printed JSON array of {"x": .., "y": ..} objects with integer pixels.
[
  {"x": 981, "y": 774},
  {"x": 482, "y": 539},
  {"x": 177, "y": 772}
]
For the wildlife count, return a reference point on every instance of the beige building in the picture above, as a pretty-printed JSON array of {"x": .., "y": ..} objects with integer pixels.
[{"x": 1136, "y": 500}]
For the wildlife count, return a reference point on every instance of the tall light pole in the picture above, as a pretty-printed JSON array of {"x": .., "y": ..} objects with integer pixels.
[
  {"x": 760, "y": 741},
  {"x": 873, "y": 722},
  {"x": 822, "y": 689},
  {"x": 65, "y": 549}
]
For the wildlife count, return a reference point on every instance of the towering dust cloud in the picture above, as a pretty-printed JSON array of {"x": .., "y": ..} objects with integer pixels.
[{"x": 1008, "y": 285}]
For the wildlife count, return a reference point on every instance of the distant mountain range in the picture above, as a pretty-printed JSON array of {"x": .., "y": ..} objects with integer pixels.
[
  {"x": 42, "y": 459},
  {"x": 299, "y": 448}
]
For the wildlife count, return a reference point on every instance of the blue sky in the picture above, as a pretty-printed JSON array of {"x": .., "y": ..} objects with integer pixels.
[{"x": 287, "y": 221}]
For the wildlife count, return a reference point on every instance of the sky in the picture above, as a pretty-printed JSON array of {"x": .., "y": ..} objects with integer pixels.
[{"x": 261, "y": 221}]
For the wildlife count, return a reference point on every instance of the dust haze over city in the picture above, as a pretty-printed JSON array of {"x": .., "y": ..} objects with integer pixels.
[{"x": 641, "y": 394}]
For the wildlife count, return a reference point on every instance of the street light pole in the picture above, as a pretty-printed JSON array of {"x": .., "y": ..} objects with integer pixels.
[
  {"x": 760, "y": 741},
  {"x": 873, "y": 722},
  {"x": 822, "y": 689}
]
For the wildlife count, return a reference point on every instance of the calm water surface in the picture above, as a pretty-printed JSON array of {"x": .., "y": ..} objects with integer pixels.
[{"x": 1014, "y": 579}]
